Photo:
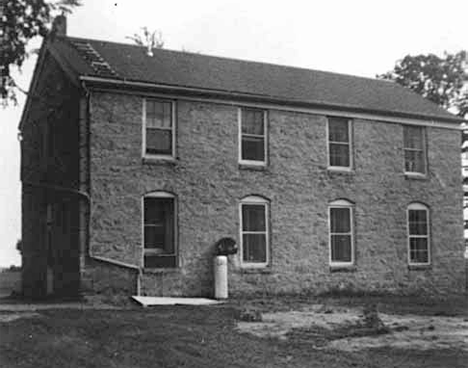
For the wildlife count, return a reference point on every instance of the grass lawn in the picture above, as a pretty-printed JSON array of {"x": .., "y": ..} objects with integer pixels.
[{"x": 201, "y": 337}]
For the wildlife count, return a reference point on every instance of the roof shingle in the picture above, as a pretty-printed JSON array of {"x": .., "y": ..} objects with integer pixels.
[{"x": 183, "y": 69}]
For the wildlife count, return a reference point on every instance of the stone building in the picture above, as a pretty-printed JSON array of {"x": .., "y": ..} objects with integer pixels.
[{"x": 134, "y": 165}]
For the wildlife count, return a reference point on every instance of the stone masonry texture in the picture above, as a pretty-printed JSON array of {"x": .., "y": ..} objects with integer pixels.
[
  {"x": 108, "y": 279},
  {"x": 209, "y": 184}
]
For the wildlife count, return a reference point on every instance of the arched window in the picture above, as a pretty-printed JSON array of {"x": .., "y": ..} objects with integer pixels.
[
  {"x": 341, "y": 233},
  {"x": 159, "y": 230},
  {"x": 254, "y": 231},
  {"x": 418, "y": 234}
]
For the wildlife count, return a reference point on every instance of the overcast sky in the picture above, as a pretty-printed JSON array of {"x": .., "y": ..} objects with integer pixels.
[{"x": 354, "y": 37}]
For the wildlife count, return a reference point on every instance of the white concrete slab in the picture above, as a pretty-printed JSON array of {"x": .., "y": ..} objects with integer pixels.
[{"x": 160, "y": 300}]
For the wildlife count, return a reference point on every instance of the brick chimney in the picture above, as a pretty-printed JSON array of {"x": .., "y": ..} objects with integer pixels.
[{"x": 59, "y": 25}]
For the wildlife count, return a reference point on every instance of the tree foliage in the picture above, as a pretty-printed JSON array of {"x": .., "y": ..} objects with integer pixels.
[
  {"x": 22, "y": 20},
  {"x": 148, "y": 39},
  {"x": 443, "y": 80}
]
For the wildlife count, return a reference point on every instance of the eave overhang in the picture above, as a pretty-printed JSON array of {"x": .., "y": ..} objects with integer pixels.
[{"x": 93, "y": 82}]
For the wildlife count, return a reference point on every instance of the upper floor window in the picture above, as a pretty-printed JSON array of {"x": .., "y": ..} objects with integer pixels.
[
  {"x": 418, "y": 234},
  {"x": 254, "y": 231},
  {"x": 159, "y": 230},
  {"x": 252, "y": 136},
  {"x": 158, "y": 128},
  {"x": 415, "y": 149},
  {"x": 339, "y": 143},
  {"x": 341, "y": 233}
]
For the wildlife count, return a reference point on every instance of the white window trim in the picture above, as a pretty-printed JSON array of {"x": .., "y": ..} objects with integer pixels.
[
  {"x": 424, "y": 153},
  {"x": 419, "y": 207},
  {"x": 158, "y": 194},
  {"x": 341, "y": 203},
  {"x": 255, "y": 200},
  {"x": 265, "y": 136},
  {"x": 172, "y": 156},
  {"x": 351, "y": 143}
]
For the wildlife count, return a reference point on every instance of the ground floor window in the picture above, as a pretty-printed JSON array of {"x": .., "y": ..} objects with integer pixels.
[
  {"x": 341, "y": 233},
  {"x": 159, "y": 230},
  {"x": 254, "y": 235},
  {"x": 418, "y": 234}
]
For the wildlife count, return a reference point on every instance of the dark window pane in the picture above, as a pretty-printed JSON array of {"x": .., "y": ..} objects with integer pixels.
[
  {"x": 413, "y": 137},
  {"x": 340, "y": 220},
  {"x": 253, "y": 122},
  {"x": 417, "y": 222},
  {"x": 159, "y": 224},
  {"x": 155, "y": 261},
  {"x": 338, "y": 130},
  {"x": 341, "y": 248},
  {"x": 158, "y": 114},
  {"x": 253, "y": 217},
  {"x": 419, "y": 252},
  {"x": 154, "y": 210},
  {"x": 158, "y": 141},
  {"x": 414, "y": 161},
  {"x": 167, "y": 115},
  {"x": 339, "y": 155},
  {"x": 254, "y": 248},
  {"x": 253, "y": 148},
  {"x": 155, "y": 236},
  {"x": 150, "y": 108}
]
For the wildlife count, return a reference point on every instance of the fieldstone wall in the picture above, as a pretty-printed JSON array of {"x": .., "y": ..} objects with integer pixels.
[
  {"x": 209, "y": 183},
  {"x": 108, "y": 279}
]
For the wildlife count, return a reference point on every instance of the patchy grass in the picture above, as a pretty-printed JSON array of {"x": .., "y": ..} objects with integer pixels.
[{"x": 189, "y": 337}]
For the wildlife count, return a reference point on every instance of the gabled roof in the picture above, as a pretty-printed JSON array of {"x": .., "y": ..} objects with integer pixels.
[{"x": 124, "y": 62}]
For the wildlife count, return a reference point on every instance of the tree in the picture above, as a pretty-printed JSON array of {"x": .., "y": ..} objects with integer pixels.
[
  {"x": 443, "y": 80},
  {"x": 21, "y": 21},
  {"x": 19, "y": 245},
  {"x": 148, "y": 39}
]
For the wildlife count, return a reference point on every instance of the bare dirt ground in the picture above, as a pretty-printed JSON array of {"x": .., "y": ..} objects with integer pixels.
[
  {"x": 11, "y": 316},
  {"x": 336, "y": 332},
  {"x": 403, "y": 331}
]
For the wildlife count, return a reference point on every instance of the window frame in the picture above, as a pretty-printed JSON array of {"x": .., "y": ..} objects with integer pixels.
[
  {"x": 341, "y": 203},
  {"x": 424, "y": 150},
  {"x": 418, "y": 207},
  {"x": 254, "y": 200},
  {"x": 350, "y": 145},
  {"x": 265, "y": 137},
  {"x": 145, "y": 251},
  {"x": 161, "y": 156}
]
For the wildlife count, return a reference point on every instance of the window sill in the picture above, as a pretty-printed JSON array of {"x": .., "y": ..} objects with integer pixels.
[
  {"x": 419, "y": 267},
  {"x": 161, "y": 270},
  {"x": 253, "y": 167},
  {"x": 415, "y": 176},
  {"x": 159, "y": 160},
  {"x": 255, "y": 269},
  {"x": 343, "y": 268},
  {"x": 340, "y": 170}
]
